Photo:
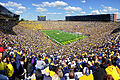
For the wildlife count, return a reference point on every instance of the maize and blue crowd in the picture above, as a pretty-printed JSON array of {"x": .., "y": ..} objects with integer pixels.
[{"x": 23, "y": 59}]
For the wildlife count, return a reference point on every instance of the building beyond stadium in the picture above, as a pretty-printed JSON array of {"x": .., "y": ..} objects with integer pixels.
[
  {"x": 41, "y": 18},
  {"x": 5, "y": 14},
  {"x": 100, "y": 17}
]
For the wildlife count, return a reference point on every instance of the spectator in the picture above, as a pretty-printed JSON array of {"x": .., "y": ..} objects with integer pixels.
[{"x": 71, "y": 75}]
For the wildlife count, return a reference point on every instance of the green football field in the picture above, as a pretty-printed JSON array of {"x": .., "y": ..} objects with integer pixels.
[{"x": 62, "y": 37}]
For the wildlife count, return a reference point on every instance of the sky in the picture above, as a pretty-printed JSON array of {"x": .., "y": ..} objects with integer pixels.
[{"x": 58, "y": 9}]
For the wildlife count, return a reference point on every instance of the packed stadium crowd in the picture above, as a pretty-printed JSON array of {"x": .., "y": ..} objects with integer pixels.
[
  {"x": 29, "y": 55},
  {"x": 6, "y": 26}
]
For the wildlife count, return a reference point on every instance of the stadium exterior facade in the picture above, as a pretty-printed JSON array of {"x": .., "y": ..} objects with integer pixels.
[
  {"x": 41, "y": 18},
  {"x": 100, "y": 17},
  {"x": 5, "y": 14}
]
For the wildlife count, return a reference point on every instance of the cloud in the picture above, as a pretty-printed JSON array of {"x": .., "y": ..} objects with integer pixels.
[
  {"x": 46, "y": 4},
  {"x": 11, "y": 9},
  {"x": 83, "y": 12},
  {"x": 21, "y": 8},
  {"x": 67, "y": 15},
  {"x": 83, "y": 1},
  {"x": 104, "y": 10},
  {"x": 41, "y": 9},
  {"x": 69, "y": 8},
  {"x": 52, "y": 4},
  {"x": 36, "y": 5},
  {"x": 51, "y": 13},
  {"x": 103, "y": 13},
  {"x": 90, "y": 7},
  {"x": 13, "y": 4},
  {"x": 95, "y": 12},
  {"x": 18, "y": 12},
  {"x": 70, "y": 12},
  {"x": 110, "y": 9},
  {"x": 117, "y": 13},
  {"x": 2, "y": 3}
]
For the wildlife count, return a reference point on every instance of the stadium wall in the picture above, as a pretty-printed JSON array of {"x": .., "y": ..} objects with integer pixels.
[{"x": 101, "y": 17}]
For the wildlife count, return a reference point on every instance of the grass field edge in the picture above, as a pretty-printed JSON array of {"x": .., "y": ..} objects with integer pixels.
[{"x": 64, "y": 42}]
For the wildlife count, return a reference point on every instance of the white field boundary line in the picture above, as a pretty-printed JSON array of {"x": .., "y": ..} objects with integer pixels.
[{"x": 59, "y": 42}]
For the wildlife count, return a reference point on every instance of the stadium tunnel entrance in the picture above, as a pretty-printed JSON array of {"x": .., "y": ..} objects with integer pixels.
[{"x": 116, "y": 30}]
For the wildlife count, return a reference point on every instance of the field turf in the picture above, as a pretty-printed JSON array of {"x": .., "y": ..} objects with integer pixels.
[{"x": 62, "y": 37}]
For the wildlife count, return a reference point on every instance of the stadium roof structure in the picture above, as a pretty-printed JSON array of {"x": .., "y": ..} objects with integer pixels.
[{"x": 6, "y": 14}]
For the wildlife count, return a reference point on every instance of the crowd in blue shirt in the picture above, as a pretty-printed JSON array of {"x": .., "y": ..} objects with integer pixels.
[{"x": 99, "y": 62}]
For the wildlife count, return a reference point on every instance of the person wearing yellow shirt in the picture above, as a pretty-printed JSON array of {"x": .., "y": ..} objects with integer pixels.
[
  {"x": 111, "y": 70},
  {"x": 89, "y": 77},
  {"x": 1, "y": 65},
  {"x": 2, "y": 76},
  {"x": 9, "y": 70}
]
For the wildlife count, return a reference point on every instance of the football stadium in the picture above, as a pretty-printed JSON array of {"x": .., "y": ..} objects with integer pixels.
[{"x": 77, "y": 47}]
